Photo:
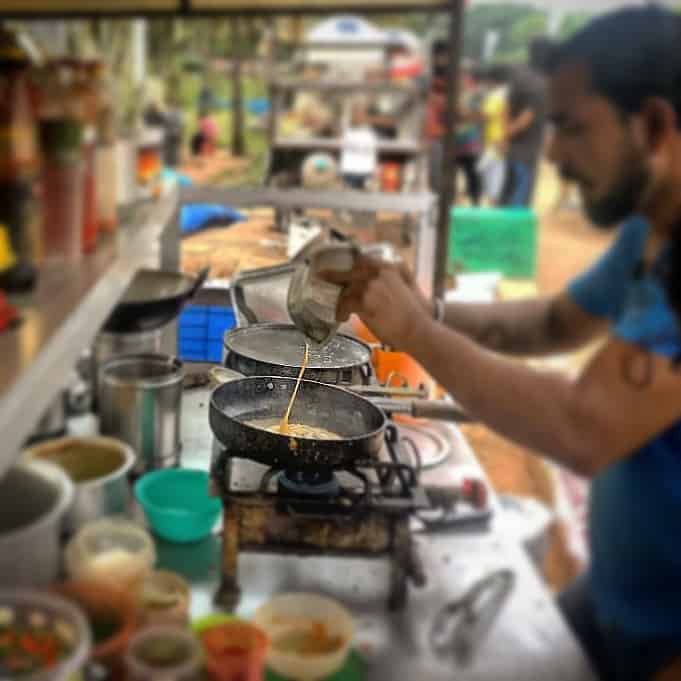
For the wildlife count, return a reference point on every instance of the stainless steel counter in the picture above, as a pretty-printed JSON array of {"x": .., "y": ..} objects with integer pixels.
[{"x": 528, "y": 642}]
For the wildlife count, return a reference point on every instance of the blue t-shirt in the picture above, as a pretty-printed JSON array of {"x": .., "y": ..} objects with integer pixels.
[{"x": 635, "y": 503}]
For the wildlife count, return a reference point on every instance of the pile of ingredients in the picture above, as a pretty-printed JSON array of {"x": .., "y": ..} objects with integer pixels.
[{"x": 32, "y": 641}]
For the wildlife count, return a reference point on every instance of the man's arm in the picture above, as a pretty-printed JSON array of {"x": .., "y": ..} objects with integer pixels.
[
  {"x": 537, "y": 326},
  {"x": 517, "y": 125},
  {"x": 625, "y": 397}
]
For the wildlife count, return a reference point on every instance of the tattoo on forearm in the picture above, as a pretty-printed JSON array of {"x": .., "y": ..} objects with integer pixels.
[
  {"x": 638, "y": 369},
  {"x": 494, "y": 336}
]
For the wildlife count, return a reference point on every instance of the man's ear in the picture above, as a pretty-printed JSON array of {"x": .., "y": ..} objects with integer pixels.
[{"x": 659, "y": 122}]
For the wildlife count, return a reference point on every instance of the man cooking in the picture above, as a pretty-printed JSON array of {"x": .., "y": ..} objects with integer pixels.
[{"x": 614, "y": 99}]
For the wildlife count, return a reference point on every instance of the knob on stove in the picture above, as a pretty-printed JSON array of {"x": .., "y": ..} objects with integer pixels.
[{"x": 474, "y": 492}]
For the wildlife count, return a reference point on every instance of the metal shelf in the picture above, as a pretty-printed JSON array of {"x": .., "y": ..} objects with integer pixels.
[
  {"x": 292, "y": 84},
  {"x": 62, "y": 316},
  {"x": 351, "y": 200},
  {"x": 397, "y": 147}
]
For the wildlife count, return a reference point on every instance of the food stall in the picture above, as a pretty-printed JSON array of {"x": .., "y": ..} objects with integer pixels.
[{"x": 394, "y": 524}]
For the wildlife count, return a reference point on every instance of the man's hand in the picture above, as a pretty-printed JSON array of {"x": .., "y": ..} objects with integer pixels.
[{"x": 386, "y": 298}]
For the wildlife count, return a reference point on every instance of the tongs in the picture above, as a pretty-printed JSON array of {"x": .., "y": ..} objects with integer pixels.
[{"x": 461, "y": 626}]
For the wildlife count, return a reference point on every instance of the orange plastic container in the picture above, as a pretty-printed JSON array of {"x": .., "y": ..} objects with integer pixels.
[
  {"x": 393, "y": 368},
  {"x": 235, "y": 651},
  {"x": 392, "y": 365}
]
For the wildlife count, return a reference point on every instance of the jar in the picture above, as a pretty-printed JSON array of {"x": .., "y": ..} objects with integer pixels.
[
  {"x": 89, "y": 92},
  {"x": 19, "y": 161},
  {"x": 164, "y": 599},
  {"x": 163, "y": 653},
  {"x": 63, "y": 210},
  {"x": 61, "y": 137},
  {"x": 111, "y": 551},
  {"x": 106, "y": 157},
  {"x": 106, "y": 175}
]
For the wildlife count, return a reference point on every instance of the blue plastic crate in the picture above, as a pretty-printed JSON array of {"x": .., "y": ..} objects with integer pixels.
[
  {"x": 201, "y": 330},
  {"x": 194, "y": 316}
]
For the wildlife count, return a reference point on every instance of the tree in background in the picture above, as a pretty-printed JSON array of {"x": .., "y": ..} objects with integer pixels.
[
  {"x": 516, "y": 27},
  {"x": 238, "y": 142}
]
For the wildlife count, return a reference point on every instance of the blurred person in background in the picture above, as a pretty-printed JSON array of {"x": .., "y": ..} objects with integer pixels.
[
  {"x": 492, "y": 166},
  {"x": 614, "y": 101},
  {"x": 469, "y": 132},
  {"x": 359, "y": 157},
  {"x": 436, "y": 106},
  {"x": 524, "y": 127}
]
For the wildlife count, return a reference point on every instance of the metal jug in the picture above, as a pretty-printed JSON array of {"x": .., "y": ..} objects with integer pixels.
[{"x": 311, "y": 301}]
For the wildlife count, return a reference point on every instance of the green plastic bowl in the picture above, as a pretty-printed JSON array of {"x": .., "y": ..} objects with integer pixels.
[{"x": 177, "y": 505}]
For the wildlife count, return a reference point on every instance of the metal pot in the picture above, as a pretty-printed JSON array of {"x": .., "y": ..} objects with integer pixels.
[
  {"x": 34, "y": 498},
  {"x": 141, "y": 397},
  {"x": 109, "y": 345},
  {"x": 98, "y": 467}
]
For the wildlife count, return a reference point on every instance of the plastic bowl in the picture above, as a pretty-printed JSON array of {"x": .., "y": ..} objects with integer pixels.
[
  {"x": 290, "y": 615},
  {"x": 163, "y": 652},
  {"x": 177, "y": 504},
  {"x": 55, "y": 611}
]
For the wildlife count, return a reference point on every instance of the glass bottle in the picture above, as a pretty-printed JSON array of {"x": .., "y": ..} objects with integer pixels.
[
  {"x": 19, "y": 155},
  {"x": 61, "y": 134},
  {"x": 106, "y": 171}
]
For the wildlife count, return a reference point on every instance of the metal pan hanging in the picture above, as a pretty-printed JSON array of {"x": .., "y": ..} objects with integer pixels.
[{"x": 153, "y": 299}]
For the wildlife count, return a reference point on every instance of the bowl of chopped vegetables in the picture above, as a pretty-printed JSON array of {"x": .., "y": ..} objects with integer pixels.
[
  {"x": 43, "y": 637},
  {"x": 310, "y": 635}
]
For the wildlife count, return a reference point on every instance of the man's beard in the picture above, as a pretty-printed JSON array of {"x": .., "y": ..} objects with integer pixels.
[{"x": 624, "y": 199}]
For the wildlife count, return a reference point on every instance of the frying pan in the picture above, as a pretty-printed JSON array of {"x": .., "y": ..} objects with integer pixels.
[
  {"x": 358, "y": 422},
  {"x": 153, "y": 299}
]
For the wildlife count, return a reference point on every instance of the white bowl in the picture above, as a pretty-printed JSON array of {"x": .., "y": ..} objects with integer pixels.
[{"x": 288, "y": 613}]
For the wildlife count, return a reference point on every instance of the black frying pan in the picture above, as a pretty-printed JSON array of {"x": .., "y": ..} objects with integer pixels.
[
  {"x": 153, "y": 299},
  {"x": 358, "y": 422}
]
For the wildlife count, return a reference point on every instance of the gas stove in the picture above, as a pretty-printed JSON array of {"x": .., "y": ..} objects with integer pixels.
[{"x": 363, "y": 511}]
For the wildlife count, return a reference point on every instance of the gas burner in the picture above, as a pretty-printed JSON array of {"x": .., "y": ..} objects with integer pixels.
[
  {"x": 364, "y": 511},
  {"x": 313, "y": 483}
]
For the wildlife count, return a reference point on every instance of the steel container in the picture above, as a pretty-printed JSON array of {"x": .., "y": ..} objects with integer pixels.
[
  {"x": 98, "y": 467},
  {"x": 109, "y": 345},
  {"x": 141, "y": 397}
]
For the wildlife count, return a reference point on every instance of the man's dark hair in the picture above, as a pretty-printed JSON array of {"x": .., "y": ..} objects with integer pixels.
[
  {"x": 540, "y": 51},
  {"x": 631, "y": 54}
]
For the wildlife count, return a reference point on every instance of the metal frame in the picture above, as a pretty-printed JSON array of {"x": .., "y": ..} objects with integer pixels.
[
  {"x": 421, "y": 206},
  {"x": 187, "y": 8}
]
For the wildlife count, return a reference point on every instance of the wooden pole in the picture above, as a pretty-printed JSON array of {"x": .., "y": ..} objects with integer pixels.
[
  {"x": 238, "y": 141},
  {"x": 447, "y": 189}
]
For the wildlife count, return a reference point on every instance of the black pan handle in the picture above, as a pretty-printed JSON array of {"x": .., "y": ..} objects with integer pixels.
[{"x": 198, "y": 283}]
